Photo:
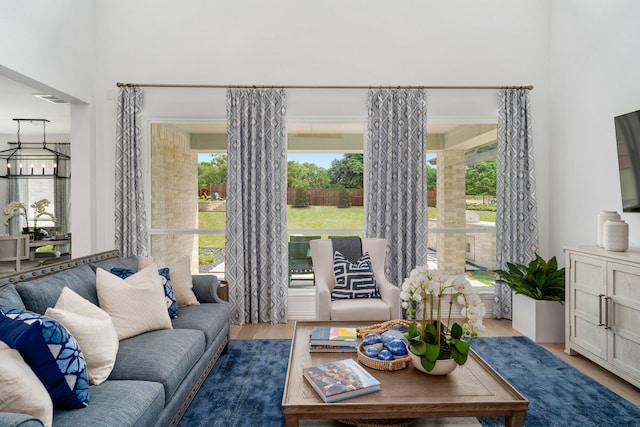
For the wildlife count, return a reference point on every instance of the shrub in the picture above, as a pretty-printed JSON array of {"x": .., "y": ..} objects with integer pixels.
[
  {"x": 206, "y": 259},
  {"x": 302, "y": 198},
  {"x": 344, "y": 198},
  {"x": 475, "y": 207}
]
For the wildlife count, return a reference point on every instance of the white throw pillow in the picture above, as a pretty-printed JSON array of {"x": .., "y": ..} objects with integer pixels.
[
  {"x": 93, "y": 328},
  {"x": 135, "y": 304},
  {"x": 21, "y": 390},
  {"x": 181, "y": 280}
]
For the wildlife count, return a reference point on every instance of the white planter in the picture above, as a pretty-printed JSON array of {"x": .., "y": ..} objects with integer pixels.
[{"x": 542, "y": 321}]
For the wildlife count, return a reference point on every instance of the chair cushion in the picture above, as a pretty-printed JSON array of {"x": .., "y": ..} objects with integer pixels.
[
  {"x": 360, "y": 309},
  {"x": 51, "y": 352},
  {"x": 93, "y": 328},
  {"x": 353, "y": 280},
  {"x": 22, "y": 391},
  {"x": 209, "y": 318},
  {"x": 165, "y": 356},
  {"x": 117, "y": 403}
]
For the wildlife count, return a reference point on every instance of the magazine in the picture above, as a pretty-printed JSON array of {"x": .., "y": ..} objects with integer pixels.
[{"x": 335, "y": 381}]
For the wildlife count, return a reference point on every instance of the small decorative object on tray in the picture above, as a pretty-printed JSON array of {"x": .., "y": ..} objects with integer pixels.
[
  {"x": 384, "y": 346},
  {"x": 340, "y": 380}
]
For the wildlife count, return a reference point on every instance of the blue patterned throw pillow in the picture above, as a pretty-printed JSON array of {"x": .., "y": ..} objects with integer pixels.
[
  {"x": 51, "y": 352},
  {"x": 169, "y": 296},
  {"x": 353, "y": 280}
]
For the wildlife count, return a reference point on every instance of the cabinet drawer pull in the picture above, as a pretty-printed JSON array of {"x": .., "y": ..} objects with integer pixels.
[
  {"x": 600, "y": 310},
  {"x": 606, "y": 312}
]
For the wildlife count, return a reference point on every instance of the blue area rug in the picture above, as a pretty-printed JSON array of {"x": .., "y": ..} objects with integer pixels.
[
  {"x": 245, "y": 387},
  {"x": 559, "y": 395}
]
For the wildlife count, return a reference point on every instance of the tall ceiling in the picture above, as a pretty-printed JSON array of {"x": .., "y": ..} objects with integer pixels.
[{"x": 17, "y": 102}]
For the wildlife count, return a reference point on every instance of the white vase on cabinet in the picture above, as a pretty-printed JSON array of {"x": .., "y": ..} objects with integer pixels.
[
  {"x": 615, "y": 235},
  {"x": 603, "y": 217}
]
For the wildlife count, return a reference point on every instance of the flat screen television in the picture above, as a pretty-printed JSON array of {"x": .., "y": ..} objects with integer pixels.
[{"x": 628, "y": 143}]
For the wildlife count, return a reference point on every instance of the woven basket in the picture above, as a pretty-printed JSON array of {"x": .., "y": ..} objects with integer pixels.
[
  {"x": 379, "y": 328},
  {"x": 381, "y": 365}
]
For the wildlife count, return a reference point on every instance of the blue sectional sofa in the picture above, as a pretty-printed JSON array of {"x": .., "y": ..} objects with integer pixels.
[{"x": 156, "y": 374}]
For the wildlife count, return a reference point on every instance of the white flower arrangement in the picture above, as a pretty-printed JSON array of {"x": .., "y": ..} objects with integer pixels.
[
  {"x": 433, "y": 340},
  {"x": 13, "y": 210}
]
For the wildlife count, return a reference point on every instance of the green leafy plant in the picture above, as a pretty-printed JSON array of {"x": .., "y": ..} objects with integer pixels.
[
  {"x": 344, "y": 198},
  {"x": 433, "y": 339},
  {"x": 540, "y": 279},
  {"x": 302, "y": 198}
]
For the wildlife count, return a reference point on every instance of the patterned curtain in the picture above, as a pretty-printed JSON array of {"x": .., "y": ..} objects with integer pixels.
[
  {"x": 516, "y": 220},
  {"x": 61, "y": 192},
  {"x": 256, "y": 255},
  {"x": 395, "y": 163},
  {"x": 131, "y": 228},
  {"x": 17, "y": 193}
]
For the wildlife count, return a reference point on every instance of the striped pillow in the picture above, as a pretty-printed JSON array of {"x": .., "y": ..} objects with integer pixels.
[{"x": 353, "y": 280}]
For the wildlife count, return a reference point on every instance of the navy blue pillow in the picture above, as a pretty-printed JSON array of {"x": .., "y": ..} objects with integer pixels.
[
  {"x": 169, "y": 296},
  {"x": 51, "y": 352},
  {"x": 353, "y": 280}
]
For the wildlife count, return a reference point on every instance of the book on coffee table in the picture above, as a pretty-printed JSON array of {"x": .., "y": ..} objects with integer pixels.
[
  {"x": 335, "y": 336},
  {"x": 313, "y": 348},
  {"x": 343, "y": 379}
]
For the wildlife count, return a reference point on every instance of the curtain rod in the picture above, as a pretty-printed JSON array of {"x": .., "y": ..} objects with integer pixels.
[{"x": 119, "y": 84}]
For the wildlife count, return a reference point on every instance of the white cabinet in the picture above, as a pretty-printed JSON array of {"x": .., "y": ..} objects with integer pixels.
[{"x": 603, "y": 308}]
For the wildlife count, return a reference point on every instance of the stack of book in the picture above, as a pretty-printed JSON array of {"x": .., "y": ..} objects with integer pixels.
[{"x": 333, "y": 339}]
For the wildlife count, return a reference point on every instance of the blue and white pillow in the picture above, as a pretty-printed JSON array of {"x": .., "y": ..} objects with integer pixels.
[
  {"x": 353, "y": 280},
  {"x": 51, "y": 352},
  {"x": 169, "y": 296}
]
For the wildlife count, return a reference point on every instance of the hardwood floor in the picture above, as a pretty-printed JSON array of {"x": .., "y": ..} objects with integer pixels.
[{"x": 494, "y": 327}]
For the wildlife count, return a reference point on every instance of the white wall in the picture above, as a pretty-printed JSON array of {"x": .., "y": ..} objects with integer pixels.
[
  {"x": 49, "y": 46},
  {"x": 360, "y": 42},
  {"x": 595, "y": 75},
  {"x": 82, "y": 48}
]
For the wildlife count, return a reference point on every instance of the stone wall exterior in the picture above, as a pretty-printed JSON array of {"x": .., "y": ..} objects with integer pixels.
[
  {"x": 174, "y": 189},
  {"x": 451, "y": 204}
]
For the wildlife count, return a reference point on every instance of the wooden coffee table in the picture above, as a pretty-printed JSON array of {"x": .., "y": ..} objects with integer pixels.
[{"x": 472, "y": 390}]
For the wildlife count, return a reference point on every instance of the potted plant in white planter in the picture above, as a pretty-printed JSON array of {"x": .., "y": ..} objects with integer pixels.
[{"x": 538, "y": 298}]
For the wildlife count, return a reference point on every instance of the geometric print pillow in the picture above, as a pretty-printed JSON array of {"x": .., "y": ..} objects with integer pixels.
[
  {"x": 51, "y": 352},
  {"x": 353, "y": 280},
  {"x": 169, "y": 296}
]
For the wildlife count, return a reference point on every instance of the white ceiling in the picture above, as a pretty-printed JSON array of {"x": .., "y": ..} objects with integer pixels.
[{"x": 17, "y": 102}]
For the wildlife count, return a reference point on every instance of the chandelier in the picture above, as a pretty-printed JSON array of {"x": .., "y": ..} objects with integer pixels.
[{"x": 34, "y": 159}]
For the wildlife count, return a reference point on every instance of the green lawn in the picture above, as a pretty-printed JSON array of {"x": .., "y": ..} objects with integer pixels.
[{"x": 311, "y": 217}]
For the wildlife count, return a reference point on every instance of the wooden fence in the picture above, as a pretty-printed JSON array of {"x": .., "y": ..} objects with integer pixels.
[{"x": 317, "y": 196}]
